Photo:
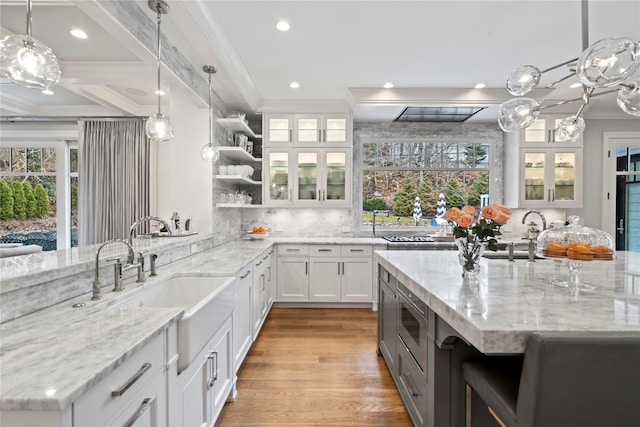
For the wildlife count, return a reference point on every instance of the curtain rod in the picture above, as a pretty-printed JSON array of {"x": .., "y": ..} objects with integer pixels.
[{"x": 68, "y": 119}]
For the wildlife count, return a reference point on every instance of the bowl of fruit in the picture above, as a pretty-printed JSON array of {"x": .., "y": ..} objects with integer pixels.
[{"x": 258, "y": 232}]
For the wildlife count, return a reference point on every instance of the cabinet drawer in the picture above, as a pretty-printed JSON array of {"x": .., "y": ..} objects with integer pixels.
[
  {"x": 324, "y": 250},
  {"x": 356, "y": 250},
  {"x": 411, "y": 384},
  {"x": 147, "y": 408},
  {"x": 99, "y": 405},
  {"x": 293, "y": 249}
]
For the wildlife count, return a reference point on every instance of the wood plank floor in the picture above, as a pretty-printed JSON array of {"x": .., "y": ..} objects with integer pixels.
[{"x": 316, "y": 367}]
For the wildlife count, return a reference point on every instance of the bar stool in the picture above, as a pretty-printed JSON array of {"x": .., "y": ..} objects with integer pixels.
[{"x": 565, "y": 379}]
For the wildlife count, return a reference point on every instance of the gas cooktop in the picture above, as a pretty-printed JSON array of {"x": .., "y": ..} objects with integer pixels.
[{"x": 407, "y": 239}]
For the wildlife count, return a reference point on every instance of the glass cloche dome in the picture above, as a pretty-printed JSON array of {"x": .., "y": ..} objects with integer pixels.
[{"x": 576, "y": 242}]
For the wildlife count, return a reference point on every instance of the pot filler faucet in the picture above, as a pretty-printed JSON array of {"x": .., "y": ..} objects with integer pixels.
[{"x": 118, "y": 270}]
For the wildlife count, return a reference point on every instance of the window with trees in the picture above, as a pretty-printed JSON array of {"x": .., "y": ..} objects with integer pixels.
[
  {"x": 396, "y": 171},
  {"x": 33, "y": 200}
]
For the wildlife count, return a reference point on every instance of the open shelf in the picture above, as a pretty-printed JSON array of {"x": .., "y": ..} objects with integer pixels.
[
  {"x": 238, "y": 179},
  {"x": 237, "y": 154},
  {"x": 237, "y": 125}
]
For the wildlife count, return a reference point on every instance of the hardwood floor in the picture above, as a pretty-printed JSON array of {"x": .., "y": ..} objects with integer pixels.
[{"x": 316, "y": 367}]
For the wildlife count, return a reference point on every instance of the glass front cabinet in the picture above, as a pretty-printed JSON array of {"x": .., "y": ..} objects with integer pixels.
[
  {"x": 307, "y": 130},
  {"x": 307, "y": 177},
  {"x": 550, "y": 177}
]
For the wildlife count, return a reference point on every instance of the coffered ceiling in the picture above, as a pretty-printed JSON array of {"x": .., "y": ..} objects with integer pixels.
[{"x": 340, "y": 52}]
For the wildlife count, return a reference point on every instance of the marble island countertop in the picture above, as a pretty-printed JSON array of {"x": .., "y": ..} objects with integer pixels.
[{"x": 511, "y": 299}]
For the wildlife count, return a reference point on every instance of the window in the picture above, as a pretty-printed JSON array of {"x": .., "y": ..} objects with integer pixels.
[
  {"x": 396, "y": 171},
  {"x": 48, "y": 167}
]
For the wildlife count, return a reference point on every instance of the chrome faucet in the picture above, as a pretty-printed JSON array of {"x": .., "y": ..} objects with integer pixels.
[
  {"x": 373, "y": 225},
  {"x": 533, "y": 211},
  {"x": 140, "y": 221},
  {"x": 96, "y": 295}
]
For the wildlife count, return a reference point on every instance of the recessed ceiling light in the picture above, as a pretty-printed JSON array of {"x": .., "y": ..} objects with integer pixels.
[
  {"x": 480, "y": 86},
  {"x": 159, "y": 92},
  {"x": 47, "y": 91},
  {"x": 388, "y": 85},
  {"x": 294, "y": 85},
  {"x": 283, "y": 26},
  {"x": 78, "y": 33},
  {"x": 575, "y": 85}
]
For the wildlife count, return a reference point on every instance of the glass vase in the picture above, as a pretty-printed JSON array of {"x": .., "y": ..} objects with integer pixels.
[{"x": 469, "y": 253}]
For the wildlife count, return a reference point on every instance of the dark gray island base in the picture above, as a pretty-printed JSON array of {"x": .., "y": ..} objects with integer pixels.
[{"x": 431, "y": 321}]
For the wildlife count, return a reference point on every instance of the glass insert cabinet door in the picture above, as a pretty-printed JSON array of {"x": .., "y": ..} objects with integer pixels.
[
  {"x": 534, "y": 176},
  {"x": 307, "y": 176},
  {"x": 279, "y": 128},
  {"x": 313, "y": 128},
  {"x": 336, "y": 177},
  {"x": 278, "y": 176},
  {"x": 564, "y": 176}
]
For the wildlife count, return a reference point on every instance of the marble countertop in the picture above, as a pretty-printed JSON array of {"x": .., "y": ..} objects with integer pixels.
[
  {"x": 509, "y": 300},
  {"x": 51, "y": 357}
]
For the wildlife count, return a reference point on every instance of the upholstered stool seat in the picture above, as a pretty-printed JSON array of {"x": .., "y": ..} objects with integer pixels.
[{"x": 585, "y": 379}]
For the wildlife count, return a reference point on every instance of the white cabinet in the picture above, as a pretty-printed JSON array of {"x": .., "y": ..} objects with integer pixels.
[
  {"x": 137, "y": 387},
  {"x": 207, "y": 382},
  {"x": 541, "y": 173},
  {"x": 242, "y": 316},
  {"x": 307, "y": 177},
  {"x": 293, "y": 273},
  {"x": 261, "y": 290},
  {"x": 307, "y": 130},
  {"x": 550, "y": 177},
  {"x": 325, "y": 273},
  {"x": 327, "y": 129}
]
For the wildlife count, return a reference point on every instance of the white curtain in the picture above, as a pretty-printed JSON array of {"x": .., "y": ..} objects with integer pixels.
[{"x": 113, "y": 184}]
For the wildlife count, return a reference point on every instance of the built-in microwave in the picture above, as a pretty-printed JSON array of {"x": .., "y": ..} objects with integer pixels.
[{"x": 412, "y": 327}]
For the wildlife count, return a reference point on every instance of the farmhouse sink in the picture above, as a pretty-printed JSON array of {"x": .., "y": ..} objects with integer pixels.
[{"x": 207, "y": 302}]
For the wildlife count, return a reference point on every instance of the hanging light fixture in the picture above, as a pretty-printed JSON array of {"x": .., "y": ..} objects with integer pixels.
[
  {"x": 27, "y": 61},
  {"x": 608, "y": 63},
  {"x": 210, "y": 152},
  {"x": 158, "y": 127}
]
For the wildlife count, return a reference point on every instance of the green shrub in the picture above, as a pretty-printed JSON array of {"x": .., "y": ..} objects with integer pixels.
[
  {"x": 375, "y": 204},
  {"x": 74, "y": 197},
  {"x": 19, "y": 200},
  {"x": 404, "y": 198},
  {"x": 31, "y": 199},
  {"x": 42, "y": 200},
  {"x": 6, "y": 200}
]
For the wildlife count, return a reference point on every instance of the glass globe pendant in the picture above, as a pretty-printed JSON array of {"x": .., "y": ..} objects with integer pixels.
[
  {"x": 27, "y": 61},
  {"x": 158, "y": 127},
  {"x": 570, "y": 129},
  {"x": 522, "y": 80},
  {"x": 210, "y": 152},
  {"x": 608, "y": 62},
  {"x": 518, "y": 113},
  {"x": 629, "y": 98}
]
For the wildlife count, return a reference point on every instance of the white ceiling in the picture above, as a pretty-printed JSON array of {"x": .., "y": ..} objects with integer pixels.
[{"x": 341, "y": 53}]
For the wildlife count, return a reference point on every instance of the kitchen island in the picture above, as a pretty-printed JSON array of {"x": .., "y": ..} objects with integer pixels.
[{"x": 496, "y": 313}]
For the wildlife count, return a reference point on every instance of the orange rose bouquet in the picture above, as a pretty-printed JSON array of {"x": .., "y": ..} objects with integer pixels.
[{"x": 473, "y": 232}]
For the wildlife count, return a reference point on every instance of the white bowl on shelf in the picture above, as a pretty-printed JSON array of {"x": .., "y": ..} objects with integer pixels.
[{"x": 258, "y": 236}]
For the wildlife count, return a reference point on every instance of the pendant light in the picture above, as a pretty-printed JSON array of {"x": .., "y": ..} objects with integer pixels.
[
  {"x": 158, "y": 127},
  {"x": 210, "y": 153},
  {"x": 27, "y": 61},
  {"x": 607, "y": 63}
]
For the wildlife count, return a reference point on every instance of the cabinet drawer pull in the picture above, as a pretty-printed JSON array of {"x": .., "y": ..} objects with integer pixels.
[
  {"x": 325, "y": 250},
  {"x": 213, "y": 369},
  {"x": 258, "y": 263},
  {"x": 144, "y": 368},
  {"x": 146, "y": 403},
  {"x": 357, "y": 250},
  {"x": 407, "y": 383},
  {"x": 293, "y": 250},
  {"x": 245, "y": 274}
]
